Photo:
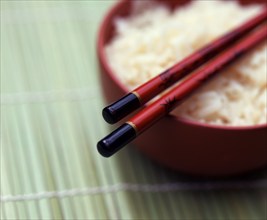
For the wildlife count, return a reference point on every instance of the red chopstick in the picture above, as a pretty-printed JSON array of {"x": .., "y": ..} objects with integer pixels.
[
  {"x": 158, "y": 109},
  {"x": 138, "y": 97}
]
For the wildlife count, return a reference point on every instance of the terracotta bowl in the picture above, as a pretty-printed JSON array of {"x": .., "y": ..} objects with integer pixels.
[{"x": 187, "y": 146}]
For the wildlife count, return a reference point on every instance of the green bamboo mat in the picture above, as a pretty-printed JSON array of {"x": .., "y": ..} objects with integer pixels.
[{"x": 50, "y": 123}]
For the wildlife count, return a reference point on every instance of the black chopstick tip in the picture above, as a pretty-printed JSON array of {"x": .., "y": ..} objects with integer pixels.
[
  {"x": 109, "y": 115},
  {"x": 116, "y": 140},
  {"x": 104, "y": 149},
  {"x": 121, "y": 108}
]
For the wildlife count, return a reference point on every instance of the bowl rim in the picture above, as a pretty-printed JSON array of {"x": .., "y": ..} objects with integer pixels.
[{"x": 100, "y": 47}]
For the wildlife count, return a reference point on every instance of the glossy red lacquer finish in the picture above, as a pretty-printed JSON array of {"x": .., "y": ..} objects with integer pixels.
[
  {"x": 156, "y": 110},
  {"x": 179, "y": 70},
  {"x": 183, "y": 145}
]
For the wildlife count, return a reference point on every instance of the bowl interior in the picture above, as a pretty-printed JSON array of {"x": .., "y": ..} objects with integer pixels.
[
  {"x": 124, "y": 8},
  {"x": 107, "y": 32}
]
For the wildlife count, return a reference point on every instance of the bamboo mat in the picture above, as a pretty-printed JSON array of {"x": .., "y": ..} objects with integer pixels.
[{"x": 51, "y": 120}]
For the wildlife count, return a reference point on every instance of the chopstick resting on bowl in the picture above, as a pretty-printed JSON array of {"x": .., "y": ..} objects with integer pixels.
[
  {"x": 161, "y": 107},
  {"x": 138, "y": 97}
]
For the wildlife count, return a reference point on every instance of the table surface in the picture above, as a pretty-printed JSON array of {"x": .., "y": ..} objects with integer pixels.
[{"x": 51, "y": 105}]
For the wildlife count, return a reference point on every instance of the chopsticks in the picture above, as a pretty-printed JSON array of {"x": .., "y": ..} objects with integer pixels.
[
  {"x": 158, "y": 109},
  {"x": 138, "y": 97}
]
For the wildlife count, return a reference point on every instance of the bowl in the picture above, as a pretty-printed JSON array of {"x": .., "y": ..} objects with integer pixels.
[{"x": 190, "y": 147}]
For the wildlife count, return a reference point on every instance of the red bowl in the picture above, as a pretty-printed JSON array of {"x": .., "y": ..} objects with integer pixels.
[{"x": 192, "y": 147}]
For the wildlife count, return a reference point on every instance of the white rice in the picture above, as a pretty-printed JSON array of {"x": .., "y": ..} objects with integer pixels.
[{"x": 153, "y": 39}]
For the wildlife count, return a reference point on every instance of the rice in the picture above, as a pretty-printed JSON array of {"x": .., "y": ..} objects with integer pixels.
[{"x": 153, "y": 38}]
